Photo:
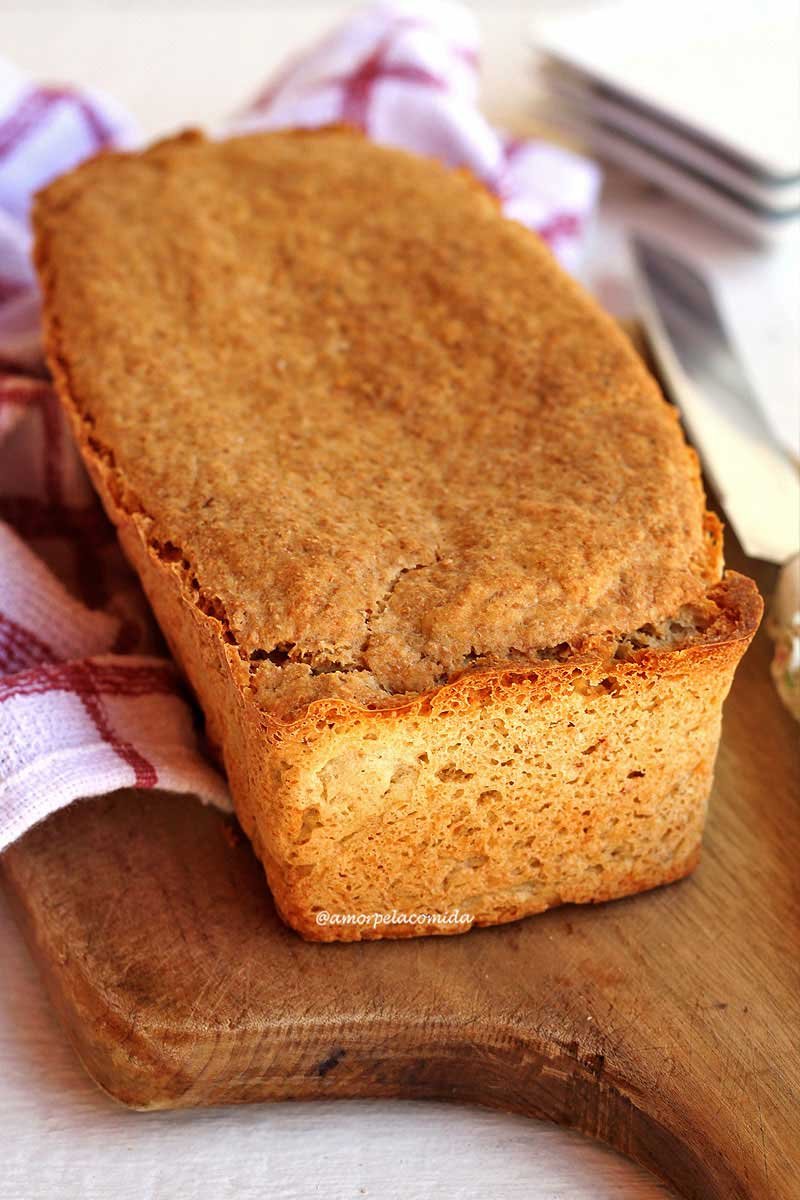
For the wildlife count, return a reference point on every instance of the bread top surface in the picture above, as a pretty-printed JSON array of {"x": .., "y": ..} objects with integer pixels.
[{"x": 383, "y": 435}]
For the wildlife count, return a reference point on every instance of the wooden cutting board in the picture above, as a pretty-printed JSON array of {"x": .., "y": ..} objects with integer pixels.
[{"x": 667, "y": 1025}]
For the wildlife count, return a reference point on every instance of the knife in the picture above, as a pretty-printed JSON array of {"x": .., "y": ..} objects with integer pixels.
[{"x": 757, "y": 483}]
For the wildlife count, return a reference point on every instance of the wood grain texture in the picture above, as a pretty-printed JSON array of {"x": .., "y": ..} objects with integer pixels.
[{"x": 666, "y": 1025}]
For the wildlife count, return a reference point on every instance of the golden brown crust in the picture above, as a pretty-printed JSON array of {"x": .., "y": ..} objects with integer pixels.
[
  {"x": 521, "y": 773},
  {"x": 450, "y": 453}
]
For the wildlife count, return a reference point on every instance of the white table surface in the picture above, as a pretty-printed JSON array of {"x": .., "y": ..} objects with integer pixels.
[{"x": 175, "y": 65}]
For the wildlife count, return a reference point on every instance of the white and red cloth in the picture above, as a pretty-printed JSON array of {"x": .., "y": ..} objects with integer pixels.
[{"x": 88, "y": 701}]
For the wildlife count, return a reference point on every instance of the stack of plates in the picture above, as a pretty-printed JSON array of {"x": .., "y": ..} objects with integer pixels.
[{"x": 701, "y": 97}]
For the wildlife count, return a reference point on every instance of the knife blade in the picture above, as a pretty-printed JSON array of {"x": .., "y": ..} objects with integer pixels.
[{"x": 757, "y": 483}]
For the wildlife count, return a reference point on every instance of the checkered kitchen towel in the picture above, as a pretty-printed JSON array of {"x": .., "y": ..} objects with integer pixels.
[{"x": 88, "y": 702}]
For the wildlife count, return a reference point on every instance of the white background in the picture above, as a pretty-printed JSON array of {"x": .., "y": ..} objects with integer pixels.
[{"x": 177, "y": 65}]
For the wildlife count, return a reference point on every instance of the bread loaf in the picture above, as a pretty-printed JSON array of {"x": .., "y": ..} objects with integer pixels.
[{"x": 419, "y": 527}]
